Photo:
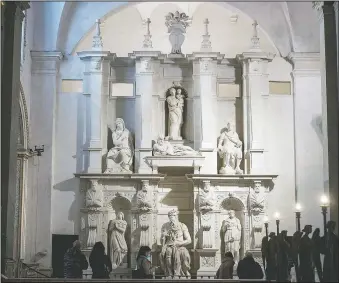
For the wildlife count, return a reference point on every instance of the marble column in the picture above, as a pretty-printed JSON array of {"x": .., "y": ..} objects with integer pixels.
[
  {"x": 45, "y": 85},
  {"x": 96, "y": 86},
  {"x": 205, "y": 83},
  {"x": 12, "y": 13},
  {"x": 308, "y": 139},
  {"x": 147, "y": 65},
  {"x": 255, "y": 93}
]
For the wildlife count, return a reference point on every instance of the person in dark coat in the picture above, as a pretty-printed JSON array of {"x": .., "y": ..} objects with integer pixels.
[
  {"x": 100, "y": 263},
  {"x": 248, "y": 268},
  {"x": 330, "y": 270},
  {"x": 264, "y": 252},
  {"x": 225, "y": 270},
  {"x": 295, "y": 252},
  {"x": 272, "y": 257},
  {"x": 305, "y": 255},
  {"x": 316, "y": 253},
  {"x": 283, "y": 256},
  {"x": 74, "y": 261},
  {"x": 144, "y": 264}
]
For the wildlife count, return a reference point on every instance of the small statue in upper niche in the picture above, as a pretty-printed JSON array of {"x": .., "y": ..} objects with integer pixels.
[
  {"x": 177, "y": 24},
  {"x": 163, "y": 147},
  {"x": 175, "y": 103},
  {"x": 229, "y": 148},
  {"x": 206, "y": 199},
  {"x": 120, "y": 156},
  {"x": 143, "y": 202}
]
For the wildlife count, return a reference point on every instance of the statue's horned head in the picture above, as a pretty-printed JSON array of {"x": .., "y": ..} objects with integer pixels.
[{"x": 172, "y": 213}]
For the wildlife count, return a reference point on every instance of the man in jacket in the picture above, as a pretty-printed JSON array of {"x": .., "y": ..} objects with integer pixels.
[
  {"x": 248, "y": 268},
  {"x": 74, "y": 262},
  {"x": 225, "y": 270}
]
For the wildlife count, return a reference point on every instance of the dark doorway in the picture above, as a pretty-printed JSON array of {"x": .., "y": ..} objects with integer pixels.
[{"x": 60, "y": 244}]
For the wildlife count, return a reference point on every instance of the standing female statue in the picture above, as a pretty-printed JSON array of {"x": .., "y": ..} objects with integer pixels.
[
  {"x": 118, "y": 245},
  {"x": 175, "y": 114},
  {"x": 120, "y": 156}
]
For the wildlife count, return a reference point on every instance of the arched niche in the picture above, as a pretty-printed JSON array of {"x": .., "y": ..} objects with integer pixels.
[
  {"x": 116, "y": 205},
  {"x": 241, "y": 212}
]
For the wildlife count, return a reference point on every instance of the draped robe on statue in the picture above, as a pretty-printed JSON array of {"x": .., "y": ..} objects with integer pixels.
[{"x": 174, "y": 259}]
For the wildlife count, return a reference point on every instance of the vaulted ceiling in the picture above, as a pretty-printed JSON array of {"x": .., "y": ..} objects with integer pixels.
[{"x": 292, "y": 26}]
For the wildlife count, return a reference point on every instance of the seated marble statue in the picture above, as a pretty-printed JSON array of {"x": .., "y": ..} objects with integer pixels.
[
  {"x": 174, "y": 257},
  {"x": 206, "y": 200},
  {"x": 230, "y": 151},
  {"x": 143, "y": 203},
  {"x": 120, "y": 156},
  {"x": 163, "y": 147}
]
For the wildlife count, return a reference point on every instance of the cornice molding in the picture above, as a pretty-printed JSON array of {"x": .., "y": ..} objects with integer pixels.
[
  {"x": 305, "y": 61},
  {"x": 47, "y": 55}
]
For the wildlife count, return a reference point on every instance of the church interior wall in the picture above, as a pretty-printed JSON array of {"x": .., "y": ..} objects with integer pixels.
[
  {"x": 116, "y": 39},
  {"x": 71, "y": 106}
]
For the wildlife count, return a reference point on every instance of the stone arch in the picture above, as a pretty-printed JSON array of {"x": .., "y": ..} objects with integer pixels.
[
  {"x": 69, "y": 37},
  {"x": 238, "y": 204},
  {"x": 21, "y": 194},
  {"x": 23, "y": 134},
  {"x": 121, "y": 203}
]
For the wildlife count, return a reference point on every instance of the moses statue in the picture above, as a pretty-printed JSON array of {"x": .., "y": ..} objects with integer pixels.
[{"x": 174, "y": 257}]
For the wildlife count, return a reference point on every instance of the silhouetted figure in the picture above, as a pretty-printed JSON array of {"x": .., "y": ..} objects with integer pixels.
[
  {"x": 295, "y": 252},
  {"x": 248, "y": 268},
  {"x": 74, "y": 261},
  {"x": 264, "y": 252},
  {"x": 144, "y": 264},
  {"x": 330, "y": 270},
  {"x": 305, "y": 256},
  {"x": 272, "y": 257},
  {"x": 100, "y": 263},
  {"x": 317, "y": 241},
  {"x": 283, "y": 256},
  {"x": 225, "y": 270}
]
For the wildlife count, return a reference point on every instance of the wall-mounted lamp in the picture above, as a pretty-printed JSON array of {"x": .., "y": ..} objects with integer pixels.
[{"x": 37, "y": 150}]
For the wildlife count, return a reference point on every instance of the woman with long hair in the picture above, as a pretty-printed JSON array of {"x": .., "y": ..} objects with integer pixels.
[
  {"x": 144, "y": 264},
  {"x": 100, "y": 262}
]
